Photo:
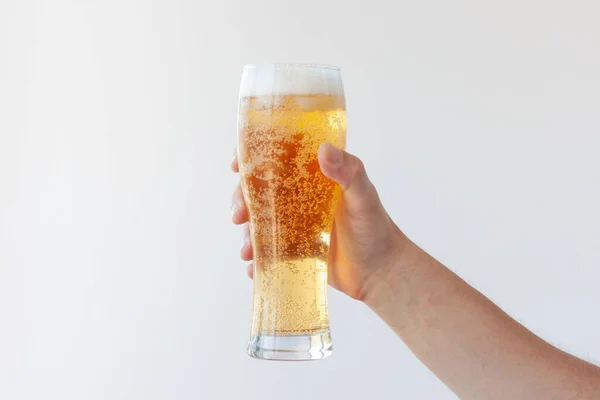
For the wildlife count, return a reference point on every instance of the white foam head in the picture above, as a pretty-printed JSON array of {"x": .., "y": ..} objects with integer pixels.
[{"x": 285, "y": 79}]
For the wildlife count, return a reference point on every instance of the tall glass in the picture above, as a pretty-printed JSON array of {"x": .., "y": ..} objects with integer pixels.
[{"x": 285, "y": 112}]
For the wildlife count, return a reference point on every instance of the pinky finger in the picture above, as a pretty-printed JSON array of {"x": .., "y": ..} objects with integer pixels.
[{"x": 250, "y": 270}]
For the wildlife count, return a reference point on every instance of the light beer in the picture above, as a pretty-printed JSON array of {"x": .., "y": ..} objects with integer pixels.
[{"x": 291, "y": 206}]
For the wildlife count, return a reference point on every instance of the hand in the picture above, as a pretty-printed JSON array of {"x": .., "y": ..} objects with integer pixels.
[{"x": 365, "y": 242}]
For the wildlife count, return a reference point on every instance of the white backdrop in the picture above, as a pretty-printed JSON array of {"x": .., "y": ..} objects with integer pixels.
[{"x": 119, "y": 272}]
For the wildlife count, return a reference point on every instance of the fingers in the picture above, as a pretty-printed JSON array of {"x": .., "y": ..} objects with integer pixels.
[
  {"x": 239, "y": 212},
  {"x": 348, "y": 170},
  {"x": 246, "y": 250},
  {"x": 343, "y": 167},
  {"x": 235, "y": 166},
  {"x": 239, "y": 215}
]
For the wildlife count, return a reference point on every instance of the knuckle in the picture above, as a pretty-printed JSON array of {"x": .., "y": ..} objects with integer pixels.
[{"x": 359, "y": 167}]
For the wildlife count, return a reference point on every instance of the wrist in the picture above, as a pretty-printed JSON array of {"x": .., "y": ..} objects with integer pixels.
[{"x": 383, "y": 287}]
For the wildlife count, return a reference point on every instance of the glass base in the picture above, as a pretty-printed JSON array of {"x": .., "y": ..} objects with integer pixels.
[{"x": 291, "y": 348}]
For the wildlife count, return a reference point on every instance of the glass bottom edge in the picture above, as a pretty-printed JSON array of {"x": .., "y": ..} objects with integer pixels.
[{"x": 290, "y": 348}]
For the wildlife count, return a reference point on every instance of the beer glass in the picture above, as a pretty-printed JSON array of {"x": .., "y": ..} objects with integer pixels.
[{"x": 285, "y": 112}]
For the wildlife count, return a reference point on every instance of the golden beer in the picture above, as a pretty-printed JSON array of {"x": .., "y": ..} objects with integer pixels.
[{"x": 291, "y": 205}]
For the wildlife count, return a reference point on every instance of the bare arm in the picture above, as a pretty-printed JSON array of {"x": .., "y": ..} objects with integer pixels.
[{"x": 474, "y": 347}]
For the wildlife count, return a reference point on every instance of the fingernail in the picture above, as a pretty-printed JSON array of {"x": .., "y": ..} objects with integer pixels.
[
  {"x": 333, "y": 155},
  {"x": 234, "y": 208}
]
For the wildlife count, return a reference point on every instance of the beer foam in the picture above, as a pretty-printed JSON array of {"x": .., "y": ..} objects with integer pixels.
[{"x": 286, "y": 79}]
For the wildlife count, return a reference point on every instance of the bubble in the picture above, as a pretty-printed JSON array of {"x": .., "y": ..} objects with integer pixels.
[{"x": 291, "y": 207}]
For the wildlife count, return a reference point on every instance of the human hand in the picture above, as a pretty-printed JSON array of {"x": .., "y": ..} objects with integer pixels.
[{"x": 365, "y": 242}]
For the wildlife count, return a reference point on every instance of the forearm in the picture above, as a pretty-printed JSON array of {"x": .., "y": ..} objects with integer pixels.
[{"x": 468, "y": 342}]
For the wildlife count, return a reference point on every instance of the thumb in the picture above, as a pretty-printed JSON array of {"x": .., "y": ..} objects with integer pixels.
[{"x": 360, "y": 196}]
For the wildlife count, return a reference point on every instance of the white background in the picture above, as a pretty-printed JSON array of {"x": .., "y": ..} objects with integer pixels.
[{"x": 119, "y": 272}]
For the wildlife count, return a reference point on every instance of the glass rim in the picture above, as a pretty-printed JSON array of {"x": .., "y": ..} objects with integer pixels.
[{"x": 293, "y": 65}]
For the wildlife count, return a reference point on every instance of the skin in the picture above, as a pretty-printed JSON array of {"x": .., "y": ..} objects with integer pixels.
[{"x": 468, "y": 342}]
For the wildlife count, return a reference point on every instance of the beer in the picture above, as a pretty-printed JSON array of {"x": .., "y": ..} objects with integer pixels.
[{"x": 291, "y": 206}]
